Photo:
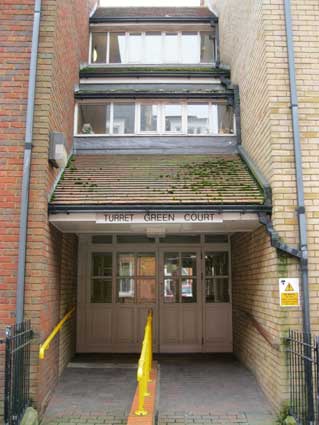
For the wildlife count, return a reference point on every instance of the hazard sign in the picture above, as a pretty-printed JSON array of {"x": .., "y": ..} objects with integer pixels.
[{"x": 289, "y": 292}]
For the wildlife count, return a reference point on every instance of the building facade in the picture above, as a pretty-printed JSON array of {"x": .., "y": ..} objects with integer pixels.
[{"x": 179, "y": 191}]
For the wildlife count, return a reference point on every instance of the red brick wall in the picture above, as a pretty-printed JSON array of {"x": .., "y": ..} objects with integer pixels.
[
  {"x": 15, "y": 45},
  {"x": 63, "y": 46}
]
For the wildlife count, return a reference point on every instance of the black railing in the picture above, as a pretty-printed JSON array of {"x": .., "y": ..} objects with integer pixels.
[
  {"x": 303, "y": 362},
  {"x": 17, "y": 372}
]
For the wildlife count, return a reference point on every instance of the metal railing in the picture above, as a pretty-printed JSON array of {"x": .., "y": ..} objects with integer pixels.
[
  {"x": 145, "y": 366},
  {"x": 303, "y": 363},
  {"x": 17, "y": 371},
  {"x": 56, "y": 330}
]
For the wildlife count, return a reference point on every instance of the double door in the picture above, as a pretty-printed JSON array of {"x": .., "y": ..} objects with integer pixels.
[{"x": 118, "y": 287}]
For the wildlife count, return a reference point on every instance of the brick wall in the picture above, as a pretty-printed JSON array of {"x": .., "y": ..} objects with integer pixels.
[
  {"x": 15, "y": 44},
  {"x": 51, "y": 256},
  {"x": 253, "y": 44}
]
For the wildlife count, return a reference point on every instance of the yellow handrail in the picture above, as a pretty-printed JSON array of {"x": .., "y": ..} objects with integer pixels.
[
  {"x": 47, "y": 342},
  {"x": 145, "y": 366}
]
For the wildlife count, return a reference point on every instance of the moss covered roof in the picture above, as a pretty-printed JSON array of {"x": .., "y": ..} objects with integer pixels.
[{"x": 147, "y": 179}]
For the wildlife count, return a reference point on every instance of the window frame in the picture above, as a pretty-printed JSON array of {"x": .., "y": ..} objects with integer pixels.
[
  {"x": 160, "y": 103},
  {"x": 162, "y": 60}
]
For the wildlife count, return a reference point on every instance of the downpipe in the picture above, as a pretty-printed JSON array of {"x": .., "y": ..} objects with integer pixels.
[
  {"x": 301, "y": 211},
  {"x": 27, "y": 164}
]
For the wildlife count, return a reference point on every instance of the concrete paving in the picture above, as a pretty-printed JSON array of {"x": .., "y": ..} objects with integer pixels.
[{"x": 194, "y": 389}]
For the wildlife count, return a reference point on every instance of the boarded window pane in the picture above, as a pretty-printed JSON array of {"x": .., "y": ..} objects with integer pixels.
[
  {"x": 117, "y": 47},
  {"x": 98, "y": 53},
  {"x": 92, "y": 119},
  {"x": 124, "y": 118},
  {"x": 207, "y": 48}
]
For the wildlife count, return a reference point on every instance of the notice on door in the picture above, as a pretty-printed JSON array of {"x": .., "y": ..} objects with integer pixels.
[{"x": 289, "y": 292}]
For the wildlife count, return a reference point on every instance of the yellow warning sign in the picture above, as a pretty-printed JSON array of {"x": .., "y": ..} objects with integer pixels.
[
  {"x": 289, "y": 299},
  {"x": 289, "y": 288},
  {"x": 289, "y": 292}
]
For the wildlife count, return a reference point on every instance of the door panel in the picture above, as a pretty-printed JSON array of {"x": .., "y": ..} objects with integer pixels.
[
  {"x": 218, "y": 325},
  {"x": 180, "y": 301}
]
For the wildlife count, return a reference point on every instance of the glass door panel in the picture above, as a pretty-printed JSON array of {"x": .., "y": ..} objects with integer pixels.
[{"x": 136, "y": 278}]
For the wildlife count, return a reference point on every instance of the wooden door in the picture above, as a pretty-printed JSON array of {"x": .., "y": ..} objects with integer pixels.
[{"x": 180, "y": 301}]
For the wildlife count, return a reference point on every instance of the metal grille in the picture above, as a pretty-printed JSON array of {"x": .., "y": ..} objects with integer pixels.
[
  {"x": 17, "y": 371},
  {"x": 303, "y": 375}
]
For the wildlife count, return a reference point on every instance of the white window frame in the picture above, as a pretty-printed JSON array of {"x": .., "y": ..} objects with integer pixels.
[
  {"x": 179, "y": 60},
  {"x": 212, "y": 115}
]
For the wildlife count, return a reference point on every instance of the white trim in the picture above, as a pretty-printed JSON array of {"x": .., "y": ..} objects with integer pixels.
[
  {"x": 76, "y": 119},
  {"x": 90, "y": 48}
]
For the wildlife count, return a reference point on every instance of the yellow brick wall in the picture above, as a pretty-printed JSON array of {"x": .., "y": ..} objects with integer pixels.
[{"x": 253, "y": 44}]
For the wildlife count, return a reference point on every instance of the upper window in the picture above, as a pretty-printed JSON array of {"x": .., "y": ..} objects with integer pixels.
[
  {"x": 160, "y": 118},
  {"x": 152, "y": 47}
]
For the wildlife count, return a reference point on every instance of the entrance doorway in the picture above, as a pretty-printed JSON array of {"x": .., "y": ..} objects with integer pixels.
[{"x": 184, "y": 280}]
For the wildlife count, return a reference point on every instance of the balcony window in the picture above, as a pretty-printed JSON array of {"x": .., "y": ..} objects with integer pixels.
[
  {"x": 189, "y": 48},
  {"x": 152, "y": 47},
  {"x": 173, "y": 118},
  {"x": 225, "y": 119},
  {"x": 171, "y": 48},
  {"x": 161, "y": 118},
  {"x": 91, "y": 119},
  {"x": 198, "y": 119},
  {"x": 124, "y": 118},
  {"x": 135, "y": 48},
  {"x": 117, "y": 52},
  {"x": 98, "y": 47},
  {"x": 149, "y": 118},
  {"x": 207, "y": 47}
]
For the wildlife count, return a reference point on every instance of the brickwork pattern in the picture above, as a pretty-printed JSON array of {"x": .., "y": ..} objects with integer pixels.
[
  {"x": 258, "y": 60},
  {"x": 63, "y": 46}
]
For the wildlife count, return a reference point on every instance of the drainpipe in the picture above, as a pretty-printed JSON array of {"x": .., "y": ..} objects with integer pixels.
[
  {"x": 27, "y": 164},
  {"x": 301, "y": 211}
]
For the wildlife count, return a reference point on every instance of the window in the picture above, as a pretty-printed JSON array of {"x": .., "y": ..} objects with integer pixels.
[
  {"x": 189, "y": 48},
  {"x": 124, "y": 118},
  {"x": 180, "y": 277},
  {"x": 152, "y": 47},
  {"x": 207, "y": 47},
  {"x": 161, "y": 118},
  {"x": 197, "y": 119},
  {"x": 149, "y": 118},
  {"x": 217, "y": 277},
  {"x": 98, "y": 51},
  {"x": 117, "y": 48},
  {"x": 101, "y": 280},
  {"x": 92, "y": 119},
  {"x": 135, "y": 48},
  {"x": 136, "y": 278},
  {"x": 173, "y": 118}
]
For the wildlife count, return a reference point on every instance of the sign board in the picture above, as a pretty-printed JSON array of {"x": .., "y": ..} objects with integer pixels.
[
  {"x": 158, "y": 218},
  {"x": 289, "y": 292}
]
